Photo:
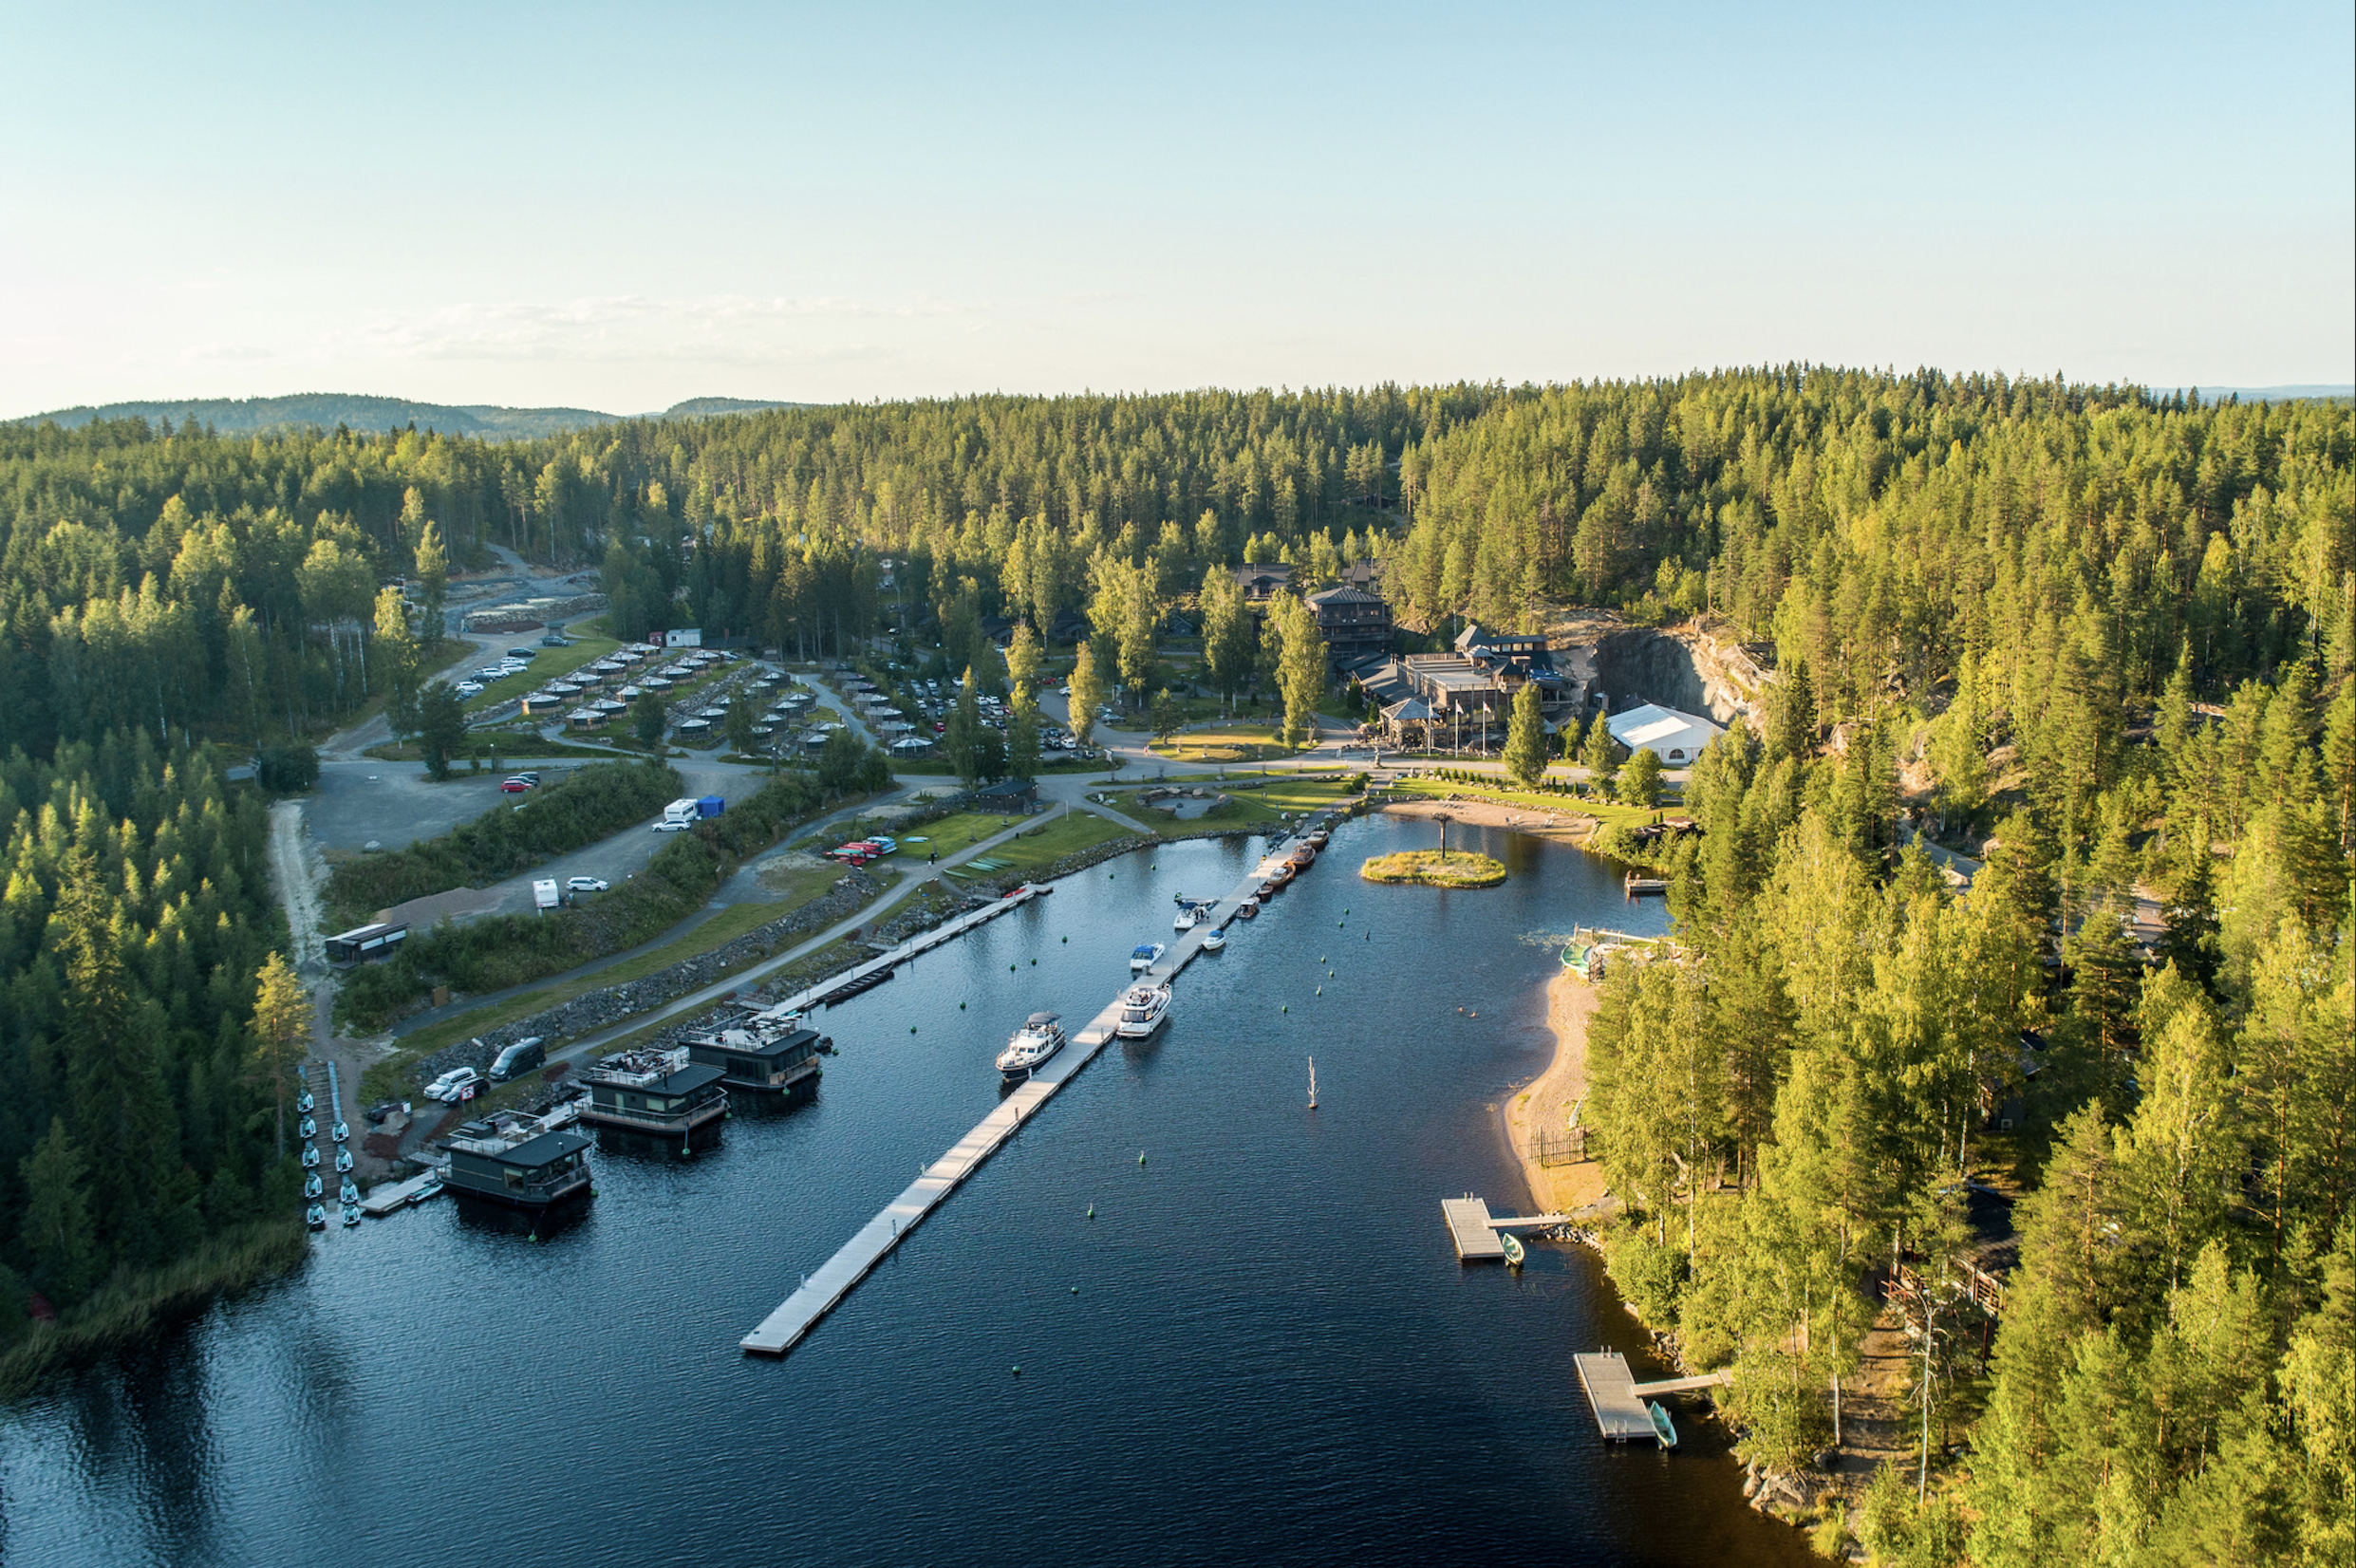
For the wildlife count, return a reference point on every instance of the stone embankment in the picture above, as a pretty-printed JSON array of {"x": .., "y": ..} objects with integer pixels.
[{"x": 610, "y": 1005}]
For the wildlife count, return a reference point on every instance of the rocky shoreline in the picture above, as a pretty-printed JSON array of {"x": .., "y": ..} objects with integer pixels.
[{"x": 610, "y": 1005}]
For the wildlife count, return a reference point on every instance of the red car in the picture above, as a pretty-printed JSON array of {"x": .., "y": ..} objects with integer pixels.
[{"x": 512, "y": 786}]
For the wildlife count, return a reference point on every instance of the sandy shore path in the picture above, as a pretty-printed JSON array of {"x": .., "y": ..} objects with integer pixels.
[{"x": 1547, "y": 1103}]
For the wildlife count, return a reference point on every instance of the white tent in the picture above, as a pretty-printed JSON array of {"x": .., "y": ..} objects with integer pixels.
[{"x": 1676, "y": 737}]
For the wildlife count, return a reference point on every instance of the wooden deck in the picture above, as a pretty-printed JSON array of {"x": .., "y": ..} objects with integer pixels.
[
  {"x": 819, "y": 1293},
  {"x": 390, "y": 1197},
  {"x": 1620, "y": 1412},
  {"x": 1474, "y": 1229}
]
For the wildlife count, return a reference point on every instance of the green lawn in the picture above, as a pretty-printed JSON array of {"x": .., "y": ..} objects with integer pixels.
[
  {"x": 1227, "y": 744},
  {"x": 1610, "y": 813},
  {"x": 1059, "y": 835},
  {"x": 551, "y": 665}
]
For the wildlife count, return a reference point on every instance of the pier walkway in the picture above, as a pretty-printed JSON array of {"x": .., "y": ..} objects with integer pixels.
[
  {"x": 1620, "y": 1415},
  {"x": 819, "y": 1293},
  {"x": 856, "y": 978},
  {"x": 1474, "y": 1229}
]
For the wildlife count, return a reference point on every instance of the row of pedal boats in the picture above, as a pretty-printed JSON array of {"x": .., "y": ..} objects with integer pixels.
[{"x": 1145, "y": 1006}]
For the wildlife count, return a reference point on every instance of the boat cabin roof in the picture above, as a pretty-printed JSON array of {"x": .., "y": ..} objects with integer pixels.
[
  {"x": 544, "y": 1149},
  {"x": 1039, "y": 1021},
  {"x": 745, "y": 1043}
]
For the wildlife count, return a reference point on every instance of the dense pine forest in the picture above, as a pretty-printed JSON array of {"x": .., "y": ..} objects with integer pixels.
[{"x": 2103, "y": 640}]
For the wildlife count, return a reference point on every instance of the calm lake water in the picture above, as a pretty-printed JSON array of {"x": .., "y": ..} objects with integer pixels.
[{"x": 1273, "y": 1355}]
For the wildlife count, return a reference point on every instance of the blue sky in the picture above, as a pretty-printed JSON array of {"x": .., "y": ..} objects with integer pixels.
[{"x": 620, "y": 207}]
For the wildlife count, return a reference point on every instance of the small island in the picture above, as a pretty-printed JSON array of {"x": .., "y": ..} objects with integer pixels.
[{"x": 1436, "y": 868}]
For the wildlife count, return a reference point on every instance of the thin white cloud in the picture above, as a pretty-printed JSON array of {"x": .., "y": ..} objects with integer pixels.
[{"x": 723, "y": 327}]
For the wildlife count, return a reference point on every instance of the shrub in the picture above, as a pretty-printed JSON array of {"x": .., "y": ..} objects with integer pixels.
[{"x": 286, "y": 769}]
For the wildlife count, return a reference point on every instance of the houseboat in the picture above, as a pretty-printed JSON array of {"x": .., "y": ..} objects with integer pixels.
[
  {"x": 761, "y": 1060},
  {"x": 528, "y": 1169},
  {"x": 654, "y": 1091}
]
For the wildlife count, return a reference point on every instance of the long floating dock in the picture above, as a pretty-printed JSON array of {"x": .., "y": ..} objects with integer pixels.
[
  {"x": 819, "y": 1293},
  {"x": 866, "y": 976}
]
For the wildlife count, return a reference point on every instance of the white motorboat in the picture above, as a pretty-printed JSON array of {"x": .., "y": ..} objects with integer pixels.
[
  {"x": 1184, "y": 922},
  {"x": 1146, "y": 957},
  {"x": 1040, "y": 1036},
  {"x": 1142, "y": 1008},
  {"x": 1214, "y": 940}
]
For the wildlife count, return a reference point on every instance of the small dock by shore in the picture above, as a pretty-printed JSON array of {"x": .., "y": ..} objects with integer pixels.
[
  {"x": 1473, "y": 1229},
  {"x": 1620, "y": 1412}
]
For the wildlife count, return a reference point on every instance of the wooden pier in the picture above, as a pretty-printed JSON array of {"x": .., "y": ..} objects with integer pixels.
[
  {"x": 391, "y": 1196},
  {"x": 820, "y": 1292},
  {"x": 1474, "y": 1229},
  {"x": 868, "y": 976},
  {"x": 1612, "y": 1393}
]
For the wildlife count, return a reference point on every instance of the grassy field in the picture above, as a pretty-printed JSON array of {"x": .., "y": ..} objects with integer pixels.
[
  {"x": 1255, "y": 807},
  {"x": 1060, "y": 836},
  {"x": 388, "y": 1078},
  {"x": 1610, "y": 813},
  {"x": 550, "y": 664},
  {"x": 1227, "y": 744}
]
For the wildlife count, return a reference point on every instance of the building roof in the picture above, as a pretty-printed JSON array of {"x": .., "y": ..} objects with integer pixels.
[
  {"x": 1413, "y": 711},
  {"x": 685, "y": 1081},
  {"x": 748, "y": 1044},
  {"x": 543, "y": 1149},
  {"x": 1344, "y": 594},
  {"x": 1009, "y": 788},
  {"x": 1662, "y": 730}
]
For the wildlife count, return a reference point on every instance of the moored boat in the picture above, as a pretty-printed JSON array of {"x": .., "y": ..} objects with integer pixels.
[
  {"x": 315, "y": 1217},
  {"x": 313, "y": 1186},
  {"x": 1302, "y": 857},
  {"x": 1514, "y": 1255},
  {"x": 1147, "y": 955},
  {"x": 1040, "y": 1038},
  {"x": 430, "y": 1189},
  {"x": 304, "y": 1104},
  {"x": 1214, "y": 940},
  {"x": 351, "y": 1214},
  {"x": 1185, "y": 920},
  {"x": 1663, "y": 1427},
  {"x": 1248, "y": 909},
  {"x": 311, "y": 1156},
  {"x": 306, "y": 1128},
  {"x": 1143, "y": 1009}
]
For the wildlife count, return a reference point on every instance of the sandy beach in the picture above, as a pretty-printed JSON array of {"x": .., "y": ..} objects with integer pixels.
[
  {"x": 1546, "y": 1102},
  {"x": 1568, "y": 826}
]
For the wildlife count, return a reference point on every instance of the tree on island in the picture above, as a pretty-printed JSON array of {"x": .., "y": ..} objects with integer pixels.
[{"x": 1526, "y": 738}]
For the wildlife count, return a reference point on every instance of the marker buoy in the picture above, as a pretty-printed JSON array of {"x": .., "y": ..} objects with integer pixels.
[
  {"x": 961, "y": 1007},
  {"x": 1067, "y": 939},
  {"x": 1035, "y": 964},
  {"x": 1092, "y": 1211},
  {"x": 1321, "y": 990},
  {"x": 1286, "y": 1008},
  {"x": 1018, "y": 1372},
  {"x": 1009, "y": 968},
  {"x": 1141, "y": 1157},
  {"x": 1076, "y": 1290},
  {"x": 911, "y": 1029}
]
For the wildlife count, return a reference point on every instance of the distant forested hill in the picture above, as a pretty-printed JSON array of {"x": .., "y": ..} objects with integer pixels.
[
  {"x": 246, "y": 416},
  {"x": 326, "y": 410}
]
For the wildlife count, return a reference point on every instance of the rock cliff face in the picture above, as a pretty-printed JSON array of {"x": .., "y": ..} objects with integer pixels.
[{"x": 1682, "y": 667}]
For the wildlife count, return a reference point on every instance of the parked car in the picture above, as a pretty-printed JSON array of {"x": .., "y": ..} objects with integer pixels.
[
  {"x": 526, "y": 655},
  {"x": 377, "y": 1112},
  {"x": 469, "y": 688},
  {"x": 588, "y": 885},
  {"x": 672, "y": 825},
  {"x": 512, "y": 786},
  {"x": 529, "y": 775},
  {"x": 518, "y": 1059},
  {"x": 453, "y": 1084}
]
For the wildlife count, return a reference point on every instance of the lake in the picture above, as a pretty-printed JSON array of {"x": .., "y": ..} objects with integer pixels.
[{"x": 1272, "y": 1353}]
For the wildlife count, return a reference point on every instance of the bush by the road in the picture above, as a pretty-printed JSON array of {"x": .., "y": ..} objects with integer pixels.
[
  {"x": 578, "y": 808},
  {"x": 286, "y": 769},
  {"x": 491, "y": 954}
]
